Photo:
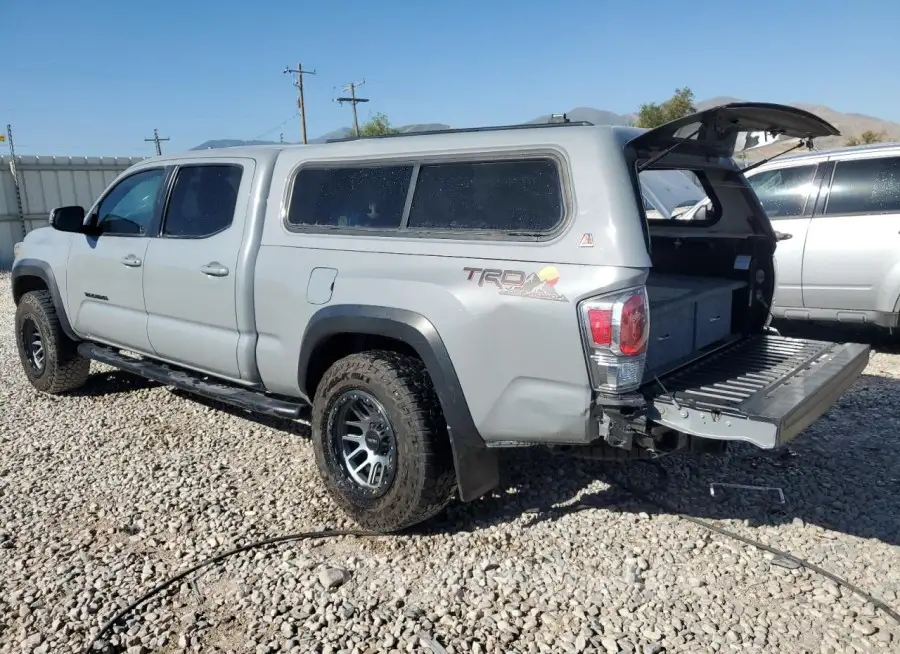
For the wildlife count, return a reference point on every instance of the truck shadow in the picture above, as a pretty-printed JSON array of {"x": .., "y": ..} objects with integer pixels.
[
  {"x": 842, "y": 474},
  {"x": 112, "y": 382},
  {"x": 295, "y": 427}
]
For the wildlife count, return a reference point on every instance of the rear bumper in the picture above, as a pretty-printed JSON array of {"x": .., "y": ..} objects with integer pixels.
[{"x": 763, "y": 389}]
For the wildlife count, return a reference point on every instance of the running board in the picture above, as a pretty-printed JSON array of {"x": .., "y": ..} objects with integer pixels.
[{"x": 243, "y": 398}]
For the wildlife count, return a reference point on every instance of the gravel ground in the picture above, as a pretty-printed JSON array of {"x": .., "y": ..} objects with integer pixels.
[{"x": 105, "y": 493}]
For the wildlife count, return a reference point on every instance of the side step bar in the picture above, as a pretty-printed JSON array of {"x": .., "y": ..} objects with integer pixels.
[{"x": 243, "y": 398}]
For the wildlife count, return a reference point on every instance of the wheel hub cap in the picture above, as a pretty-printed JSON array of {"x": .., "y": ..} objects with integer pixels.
[
  {"x": 33, "y": 345},
  {"x": 363, "y": 439}
]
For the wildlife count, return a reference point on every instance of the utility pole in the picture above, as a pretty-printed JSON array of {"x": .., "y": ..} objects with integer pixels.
[
  {"x": 157, "y": 140},
  {"x": 301, "y": 105},
  {"x": 353, "y": 100}
]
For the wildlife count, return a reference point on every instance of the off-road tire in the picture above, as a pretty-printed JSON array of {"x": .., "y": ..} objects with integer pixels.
[
  {"x": 424, "y": 480},
  {"x": 64, "y": 369}
]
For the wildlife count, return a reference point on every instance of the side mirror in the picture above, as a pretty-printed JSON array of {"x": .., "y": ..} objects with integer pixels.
[{"x": 68, "y": 219}]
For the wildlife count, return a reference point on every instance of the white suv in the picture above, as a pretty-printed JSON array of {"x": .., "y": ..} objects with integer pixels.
[{"x": 838, "y": 212}]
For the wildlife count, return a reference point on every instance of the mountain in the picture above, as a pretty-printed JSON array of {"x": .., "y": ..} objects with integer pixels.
[{"x": 850, "y": 124}]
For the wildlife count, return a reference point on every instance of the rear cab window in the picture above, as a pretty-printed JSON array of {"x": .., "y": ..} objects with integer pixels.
[{"x": 500, "y": 198}]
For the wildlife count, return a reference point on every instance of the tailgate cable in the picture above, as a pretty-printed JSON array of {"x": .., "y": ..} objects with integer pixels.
[{"x": 644, "y": 496}]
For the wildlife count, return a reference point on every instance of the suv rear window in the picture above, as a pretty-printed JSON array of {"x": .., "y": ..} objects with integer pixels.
[{"x": 865, "y": 186}]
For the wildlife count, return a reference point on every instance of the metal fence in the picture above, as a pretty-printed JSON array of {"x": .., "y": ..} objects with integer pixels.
[{"x": 35, "y": 185}]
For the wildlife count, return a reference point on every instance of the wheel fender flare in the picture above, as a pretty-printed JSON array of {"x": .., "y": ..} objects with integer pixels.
[
  {"x": 24, "y": 268},
  {"x": 477, "y": 470}
]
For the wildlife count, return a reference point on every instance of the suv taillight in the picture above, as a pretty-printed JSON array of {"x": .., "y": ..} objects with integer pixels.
[{"x": 615, "y": 328}]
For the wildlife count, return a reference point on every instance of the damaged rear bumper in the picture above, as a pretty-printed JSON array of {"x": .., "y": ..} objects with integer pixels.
[{"x": 764, "y": 389}]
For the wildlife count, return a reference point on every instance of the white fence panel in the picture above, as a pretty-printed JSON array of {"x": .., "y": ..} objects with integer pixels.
[{"x": 45, "y": 183}]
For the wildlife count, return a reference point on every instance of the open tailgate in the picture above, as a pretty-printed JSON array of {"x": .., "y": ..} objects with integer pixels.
[{"x": 764, "y": 389}]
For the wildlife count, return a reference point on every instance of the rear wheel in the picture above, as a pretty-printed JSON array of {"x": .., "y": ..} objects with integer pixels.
[
  {"x": 381, "y": 442},
  {"x": 49, "y": 358}
]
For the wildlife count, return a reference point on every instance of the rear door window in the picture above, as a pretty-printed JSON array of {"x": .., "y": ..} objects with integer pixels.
[
  {"x": 783, "y": 191},
  {"x": 203, "y": 200},
  {"x": 865, "y": 186}
]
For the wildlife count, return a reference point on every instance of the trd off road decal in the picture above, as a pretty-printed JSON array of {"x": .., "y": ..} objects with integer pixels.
[{"x": 518, "y": 283}]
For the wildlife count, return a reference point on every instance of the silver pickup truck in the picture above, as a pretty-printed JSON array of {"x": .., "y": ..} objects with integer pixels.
[{"x": 427, "y": 299}]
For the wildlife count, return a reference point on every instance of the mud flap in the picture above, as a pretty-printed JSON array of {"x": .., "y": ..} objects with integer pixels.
[{"x": 763, "y": 389}]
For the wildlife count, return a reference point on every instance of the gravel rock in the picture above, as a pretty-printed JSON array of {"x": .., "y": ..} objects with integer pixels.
[
  {"x": 108, "y": 491},
  {"x": 333, "y": 577}
]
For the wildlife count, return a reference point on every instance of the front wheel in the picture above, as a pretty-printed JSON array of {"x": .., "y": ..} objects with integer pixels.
[
  {"x": 49, "y": 358},
  {"x": 381, "y": 442}
]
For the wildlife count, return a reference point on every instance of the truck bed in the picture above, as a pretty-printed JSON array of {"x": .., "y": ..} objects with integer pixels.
[{"x": 689, "y": 316}]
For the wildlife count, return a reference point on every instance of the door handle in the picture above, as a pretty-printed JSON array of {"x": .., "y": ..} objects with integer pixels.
[
  {"x": 214, "y": 269},
  {"x": 131, "y": 261}
]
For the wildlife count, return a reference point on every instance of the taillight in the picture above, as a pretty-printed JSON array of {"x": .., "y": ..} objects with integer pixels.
[
  {"x": 634, "y": 325},
  {"x": 616, "y": 328},
  {"x": 600, "y": 321}
]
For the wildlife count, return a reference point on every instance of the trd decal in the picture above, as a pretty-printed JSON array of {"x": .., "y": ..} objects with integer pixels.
[
  {"x": 97, "y": 297},
  {"x": 518, "y": 283}
]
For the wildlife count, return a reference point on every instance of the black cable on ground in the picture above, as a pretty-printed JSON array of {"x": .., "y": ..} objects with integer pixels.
[
  {"x": 660, "y": 484},
  {"x": 665, "y": 506},
  {"x": 307, "y": 535}
]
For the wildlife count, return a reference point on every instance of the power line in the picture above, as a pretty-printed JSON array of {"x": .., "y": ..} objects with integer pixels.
[
  {"x": 353, "y": 100},
  {"x": 301, "y": 105},
  {"x": 157, "y": 140},
  {"x": 278, "y": 126}
]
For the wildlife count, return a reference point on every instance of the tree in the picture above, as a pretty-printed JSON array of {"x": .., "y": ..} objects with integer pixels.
[
  {"x": 652, "y": 114},
  {"x": 378, "y": 125},
  {"x": 866, "y": 138}
]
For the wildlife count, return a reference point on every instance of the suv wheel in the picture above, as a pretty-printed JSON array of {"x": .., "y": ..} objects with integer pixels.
[
  {"x": 381, "y": 442},
  {"x": 49, "y": 358}
]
